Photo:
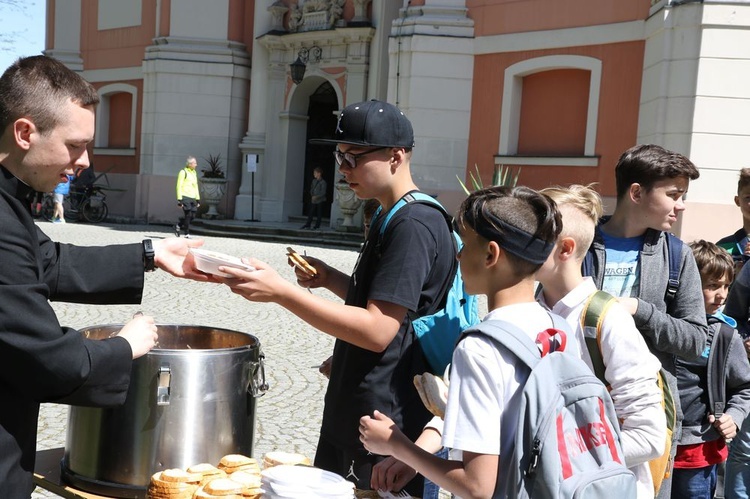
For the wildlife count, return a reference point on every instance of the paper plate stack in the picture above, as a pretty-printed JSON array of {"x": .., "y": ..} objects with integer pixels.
[{"x": 285, "y": 481}]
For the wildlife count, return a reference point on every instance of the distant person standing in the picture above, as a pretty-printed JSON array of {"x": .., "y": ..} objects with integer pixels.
[
  {"x": 62, "y": 190},
  {"x": 318, "y": 189},
  {"x": 188, "y": 197}
]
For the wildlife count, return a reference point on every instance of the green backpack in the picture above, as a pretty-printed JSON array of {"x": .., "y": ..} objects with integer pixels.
[{"x": 593, "y": 314}]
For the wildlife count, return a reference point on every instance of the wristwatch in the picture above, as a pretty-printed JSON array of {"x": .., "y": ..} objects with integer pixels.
[{"x": 148, "y": 256}]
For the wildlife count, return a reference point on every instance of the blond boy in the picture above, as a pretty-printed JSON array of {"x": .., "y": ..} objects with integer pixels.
[{"x": 630, "y": 369}]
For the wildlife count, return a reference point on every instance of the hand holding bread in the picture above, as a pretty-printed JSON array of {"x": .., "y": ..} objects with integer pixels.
[{"x": 299, "y": 263}]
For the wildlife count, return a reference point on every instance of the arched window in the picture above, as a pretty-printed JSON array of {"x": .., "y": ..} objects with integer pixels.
[
  {"x": 116, "y": 119},
  {"x": 550, "y": 111}
]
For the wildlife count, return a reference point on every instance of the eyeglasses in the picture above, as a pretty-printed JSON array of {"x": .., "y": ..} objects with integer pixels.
[{"x": 351, "y": 159}]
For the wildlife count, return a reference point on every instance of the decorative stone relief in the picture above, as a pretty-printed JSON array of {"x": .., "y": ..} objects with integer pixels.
[{"x": 314, "y": 15}]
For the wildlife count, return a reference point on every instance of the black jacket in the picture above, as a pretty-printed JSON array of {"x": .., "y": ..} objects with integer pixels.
[{"x": 41, "y": 361}]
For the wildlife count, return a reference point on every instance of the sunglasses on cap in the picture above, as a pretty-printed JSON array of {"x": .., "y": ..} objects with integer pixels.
[{"x": 351, "y": 159}]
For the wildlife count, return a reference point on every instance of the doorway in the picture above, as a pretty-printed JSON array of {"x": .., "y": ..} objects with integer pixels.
[{"x": 321, "y": 124}]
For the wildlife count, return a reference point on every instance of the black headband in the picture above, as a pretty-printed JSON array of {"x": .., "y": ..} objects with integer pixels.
[{"x": 515, "y": 241}]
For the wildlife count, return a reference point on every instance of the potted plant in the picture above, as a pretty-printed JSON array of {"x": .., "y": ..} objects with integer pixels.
[{"x": 213, "y": 184}]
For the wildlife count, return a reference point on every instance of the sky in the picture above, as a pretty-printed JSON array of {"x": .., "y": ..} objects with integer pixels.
[{"x": 22, "y": 26}]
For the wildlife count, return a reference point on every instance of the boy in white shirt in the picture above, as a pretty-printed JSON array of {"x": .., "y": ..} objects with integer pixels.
[
  {"x": 507, "y": 234},
  {"x": 630, "y": 369}
]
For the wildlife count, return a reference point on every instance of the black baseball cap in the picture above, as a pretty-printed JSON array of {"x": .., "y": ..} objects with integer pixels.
[{"x": 372, "y": 123}]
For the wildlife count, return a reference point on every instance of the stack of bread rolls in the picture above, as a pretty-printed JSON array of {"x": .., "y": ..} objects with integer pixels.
[
  {"x": 173, "y": 484},
  {"x": 236, "y": 477}
]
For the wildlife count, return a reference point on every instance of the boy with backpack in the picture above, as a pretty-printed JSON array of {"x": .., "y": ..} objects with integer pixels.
[
  {"x": 400, "y": 274},
  {"x": 653, "y": 273},
  {"x": 611, "y": 346},
  {"x": 489, "y": 418},
  {"x": 715, "y": 389}
]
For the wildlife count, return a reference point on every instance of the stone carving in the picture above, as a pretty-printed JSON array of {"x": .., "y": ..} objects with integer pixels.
[
  {"x": 335, "y": 12},
  {"x": 295, "y": 18},
  {"x": 315, "y": 15}
]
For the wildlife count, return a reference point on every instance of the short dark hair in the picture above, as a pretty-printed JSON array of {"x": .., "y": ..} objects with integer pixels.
[
  {"x": 713, "y": 261},
  {"x": 647, "y": 164},
  {"x": 744, "y": 180},
  {"x": 318, "y": 169},
  {"x": 523, "y": 208},
  {"x": 37, "y": 87}
]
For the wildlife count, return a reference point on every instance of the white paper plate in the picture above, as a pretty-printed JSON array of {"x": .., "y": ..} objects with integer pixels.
[
  {"x": 209, "y": 262},
  {"x": 295, "y": 481}
]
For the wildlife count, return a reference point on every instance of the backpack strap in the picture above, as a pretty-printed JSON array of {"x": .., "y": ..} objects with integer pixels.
[
  {"x": 719, "y": 342},
  {"x": 421, "y": 197},
  {"x": 509, "y": 336},
  {"x": 514, "y": 339},
  {"x": 674, "y": 249},
  {"x": 587, "y": 267},
  {"x": 592, "y": 318}
]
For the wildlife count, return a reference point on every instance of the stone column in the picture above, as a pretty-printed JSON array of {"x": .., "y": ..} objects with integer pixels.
[
  {"x": 66, "y": 45},
  {"x": 254, "y": 141}
]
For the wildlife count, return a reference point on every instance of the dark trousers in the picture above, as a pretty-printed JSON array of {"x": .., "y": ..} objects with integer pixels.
[
  {"x": 316, "y": 209},
  {"x": 355, "y": 464},
  {"x": 189, "y": 208}
]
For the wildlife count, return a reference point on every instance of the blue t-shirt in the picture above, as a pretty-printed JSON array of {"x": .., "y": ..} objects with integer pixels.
[
  {"x": 622, "y": 269},
  {"x": 64, "y": 187}
]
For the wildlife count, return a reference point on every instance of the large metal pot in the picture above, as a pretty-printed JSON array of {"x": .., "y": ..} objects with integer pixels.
[{"x": 191, "y": 400}]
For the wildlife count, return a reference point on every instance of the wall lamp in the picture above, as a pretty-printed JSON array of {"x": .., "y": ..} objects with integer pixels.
[{"x": 305, "y": 55}]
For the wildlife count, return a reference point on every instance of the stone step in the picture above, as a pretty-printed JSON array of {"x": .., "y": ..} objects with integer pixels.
[{"x": 278, "y": 232}]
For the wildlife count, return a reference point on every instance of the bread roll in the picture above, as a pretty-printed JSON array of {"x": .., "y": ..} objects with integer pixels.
[
  {"x": 207, "y": 471},
  {"x": 433, "y": 391},
  {"x": 223, "y": 487},
  {"x": 248, "y": 479},
  {"x": 159, "y": 488},
  {"x": 202, "y": 494},
  {"x": 276, "y": 458}
]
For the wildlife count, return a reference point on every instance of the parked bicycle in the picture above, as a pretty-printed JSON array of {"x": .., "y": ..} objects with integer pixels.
[{"x": 88, "y": 203}]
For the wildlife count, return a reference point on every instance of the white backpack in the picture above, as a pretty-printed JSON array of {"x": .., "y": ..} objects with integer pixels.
[{"x": 568, "y": 439}]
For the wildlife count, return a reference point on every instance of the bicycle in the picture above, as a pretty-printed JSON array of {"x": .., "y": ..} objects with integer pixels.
[{"x": 87, "y": 202}]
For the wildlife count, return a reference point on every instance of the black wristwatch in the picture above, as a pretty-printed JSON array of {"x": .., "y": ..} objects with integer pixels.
[{"x": 148, "y": 256}]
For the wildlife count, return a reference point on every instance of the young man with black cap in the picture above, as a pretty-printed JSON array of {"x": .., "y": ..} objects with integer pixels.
[{"x": 400, "y": 272}]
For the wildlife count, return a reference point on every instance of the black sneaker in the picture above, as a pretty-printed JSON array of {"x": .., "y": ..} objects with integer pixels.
[{"x": 304, "y": 227}]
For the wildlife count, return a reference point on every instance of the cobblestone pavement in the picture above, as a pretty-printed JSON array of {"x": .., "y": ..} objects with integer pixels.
[{"x": 288, "y": 416}]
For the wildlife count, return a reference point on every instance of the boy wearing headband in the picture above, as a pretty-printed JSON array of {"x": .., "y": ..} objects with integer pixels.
[
  {"x": 630, "y": 259},
  {"x": 507, "y": 234},
  {"x": 630, "y": 369}
]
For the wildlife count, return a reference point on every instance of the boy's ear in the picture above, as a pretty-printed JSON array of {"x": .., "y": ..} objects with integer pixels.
[
  {"x": 566, "y": 248},
  {"x": 397, "y": 157},
  {"x": 635, "y": 192},
  {"x": 493, "y": 254},
  {"x": 737, "y": 200}
]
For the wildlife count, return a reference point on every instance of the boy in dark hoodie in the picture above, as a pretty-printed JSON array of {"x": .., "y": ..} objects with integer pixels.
[{"x": 715, "y": 389}]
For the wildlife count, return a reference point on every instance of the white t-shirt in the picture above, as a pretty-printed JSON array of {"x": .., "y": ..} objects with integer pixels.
[
  {"x": 484, "y": 395},
  {"x": 630, "y": 369}
]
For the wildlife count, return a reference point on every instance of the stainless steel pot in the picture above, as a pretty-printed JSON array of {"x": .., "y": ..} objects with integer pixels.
[{"x": 191, "y": 400}]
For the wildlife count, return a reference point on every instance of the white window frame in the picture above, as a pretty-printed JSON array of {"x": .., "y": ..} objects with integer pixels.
[
  {"x": 101, "y": 142},
  {"x": 510, "y": 116}
]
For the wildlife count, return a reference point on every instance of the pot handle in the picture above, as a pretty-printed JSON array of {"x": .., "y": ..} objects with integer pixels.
[
  {"x": 258, "y": 384},
  {"x": 162, "y": 387}
]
